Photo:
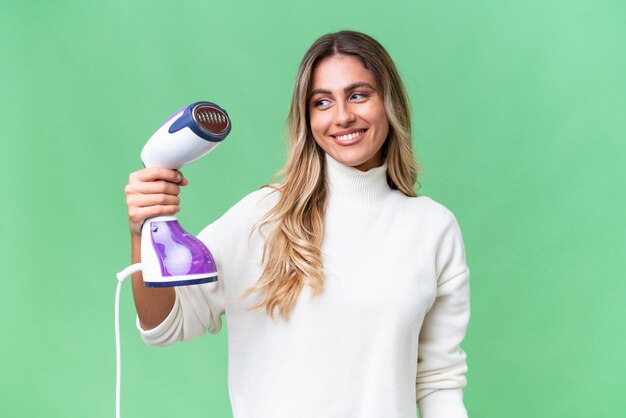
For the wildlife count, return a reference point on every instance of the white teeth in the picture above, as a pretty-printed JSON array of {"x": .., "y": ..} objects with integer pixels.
[{"x": 350, "y": 136}]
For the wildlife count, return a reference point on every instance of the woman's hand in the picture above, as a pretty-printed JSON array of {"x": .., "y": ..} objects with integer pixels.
[{"x": 152, "y": 192}]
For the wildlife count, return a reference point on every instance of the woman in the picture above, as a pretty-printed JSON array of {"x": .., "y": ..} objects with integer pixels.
[{"x": 364, "y": 285}]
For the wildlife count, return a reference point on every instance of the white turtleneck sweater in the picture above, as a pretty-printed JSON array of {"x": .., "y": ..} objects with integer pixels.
[{"x": 382, "y": 336}]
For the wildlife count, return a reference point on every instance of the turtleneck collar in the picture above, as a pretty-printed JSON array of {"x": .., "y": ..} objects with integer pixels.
[{"x": 349, "y": 185}]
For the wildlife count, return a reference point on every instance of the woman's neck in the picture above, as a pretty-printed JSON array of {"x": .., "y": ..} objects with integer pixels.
[{"x": 351, "y": 186}]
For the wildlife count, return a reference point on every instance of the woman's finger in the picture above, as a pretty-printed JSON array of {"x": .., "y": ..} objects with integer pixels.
[
  {"x": 145, "y": 200},
  {"x": 153, "y": 187},
  {"x": 157, "y": 173},
  {"x": 138, "y": 215}
]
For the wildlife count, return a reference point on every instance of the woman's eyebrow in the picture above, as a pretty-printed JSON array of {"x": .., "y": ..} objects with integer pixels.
[
  {"x": 346, "y": 89},
  {"x": 358, "y": 85}
]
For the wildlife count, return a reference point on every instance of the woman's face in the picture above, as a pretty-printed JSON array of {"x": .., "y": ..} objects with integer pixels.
[{"x": 347, "y": 114}]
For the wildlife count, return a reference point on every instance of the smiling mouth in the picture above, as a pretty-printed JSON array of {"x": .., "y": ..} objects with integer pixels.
[{"x": 349, "y": 138}]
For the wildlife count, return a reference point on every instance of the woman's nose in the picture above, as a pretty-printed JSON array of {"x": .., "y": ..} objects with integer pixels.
[{"x": 344, "y": 115}]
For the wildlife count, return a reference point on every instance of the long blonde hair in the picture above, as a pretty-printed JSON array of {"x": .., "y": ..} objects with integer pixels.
[{"x": 292, "y": 253}]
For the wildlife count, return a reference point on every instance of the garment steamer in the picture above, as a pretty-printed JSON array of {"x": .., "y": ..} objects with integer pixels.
[{"x": 170, "y": 256}]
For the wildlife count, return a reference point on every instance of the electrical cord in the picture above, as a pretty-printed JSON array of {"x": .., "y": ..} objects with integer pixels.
[{"x": 121, "y": 277}]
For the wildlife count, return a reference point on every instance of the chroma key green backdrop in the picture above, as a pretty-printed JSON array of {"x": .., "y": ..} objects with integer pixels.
[{"x": 519, "y": 110}]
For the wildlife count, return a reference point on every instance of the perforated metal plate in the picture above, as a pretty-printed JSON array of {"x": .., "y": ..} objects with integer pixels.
[{"x": 211, "y": 119}]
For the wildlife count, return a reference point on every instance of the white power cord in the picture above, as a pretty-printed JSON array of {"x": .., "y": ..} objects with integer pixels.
[{"x": 121, "y": 277}]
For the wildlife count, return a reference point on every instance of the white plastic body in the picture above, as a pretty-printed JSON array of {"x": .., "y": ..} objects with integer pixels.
[
  {"x": 168, "y": 150},
  {"x": 173, "y": 151}
]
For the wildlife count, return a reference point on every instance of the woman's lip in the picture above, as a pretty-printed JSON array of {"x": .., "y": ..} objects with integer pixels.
[
  {"x": 348, "y": 132},
  {"x": 351, "y": 141}
]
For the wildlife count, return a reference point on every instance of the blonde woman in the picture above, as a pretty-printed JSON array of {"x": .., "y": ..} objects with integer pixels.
[{"x": 347, "y": 295}]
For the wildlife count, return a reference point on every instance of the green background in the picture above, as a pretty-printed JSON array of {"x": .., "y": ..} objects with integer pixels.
[{"x": 519, "y": 110}]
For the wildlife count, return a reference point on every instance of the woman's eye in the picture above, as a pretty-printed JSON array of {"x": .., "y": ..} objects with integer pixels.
[
  {"x": 358, "y": 96},
  {"x": 321, "y": 103}
]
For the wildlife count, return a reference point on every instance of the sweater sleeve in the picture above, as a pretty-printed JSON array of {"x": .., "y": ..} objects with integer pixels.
[
  {"x": 197, "y": 308},
  {"x": 442, "y": 363}
]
